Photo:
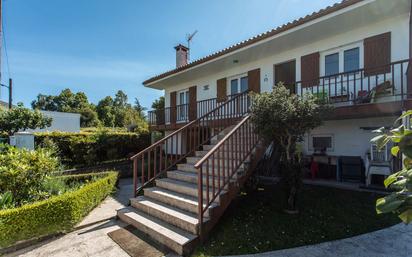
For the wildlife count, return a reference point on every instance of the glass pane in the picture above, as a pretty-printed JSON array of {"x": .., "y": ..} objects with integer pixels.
[
  {"x": 187, "y": 97},
  {"x": 331, "y": 64},
  {"x": 243, "y": 84},
  {"x": 351, "y": 59},
  {"x": 233, "y": 87},
  {"x": 182, "y": 98}
]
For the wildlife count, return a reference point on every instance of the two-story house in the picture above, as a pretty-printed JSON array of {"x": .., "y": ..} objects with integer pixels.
[{"x": 353, "y": 55}]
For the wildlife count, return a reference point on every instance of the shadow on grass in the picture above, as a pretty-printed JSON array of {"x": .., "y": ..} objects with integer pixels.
[{"x": 255, "y": 223}]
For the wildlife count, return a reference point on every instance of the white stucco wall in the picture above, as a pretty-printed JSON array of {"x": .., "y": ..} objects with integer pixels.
[
  {"x": 61, "y": 121},
  {"x": 350, "y": 138},
  {"x": 398, "y": 26}
]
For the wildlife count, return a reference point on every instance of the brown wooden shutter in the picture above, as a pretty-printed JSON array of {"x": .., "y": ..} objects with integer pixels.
[
  {"x": 309, "y": 68},
  {"x": 173, "y": 98},
  {"x": 221, "y": 90},
  {"x": 377, "y": 54},
  {"x": 192, "y": 103},
  {"x": 253, "y": 80}
]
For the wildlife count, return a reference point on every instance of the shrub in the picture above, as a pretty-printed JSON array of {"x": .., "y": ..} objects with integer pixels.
[
  {"x": 22, "y": 172},
  {"x": 85, "y": 148},
  {"x": 56, "y": 214}
]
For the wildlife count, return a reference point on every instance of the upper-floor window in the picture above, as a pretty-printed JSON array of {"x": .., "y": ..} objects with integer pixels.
[
  {"x": 331, "y": 64},
  {"x": 238, "y": 85},
  {"x": 351, "y": 59}
]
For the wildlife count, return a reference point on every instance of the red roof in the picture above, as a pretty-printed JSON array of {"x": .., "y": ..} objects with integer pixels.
[{"x": 257, "y": 38}]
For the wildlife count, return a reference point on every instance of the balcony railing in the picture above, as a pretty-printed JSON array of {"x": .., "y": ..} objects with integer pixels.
[
  {"x": 381, "y": 84},
  {"x": 387, "y": 83},
  {"x": 185, "y": 112}
]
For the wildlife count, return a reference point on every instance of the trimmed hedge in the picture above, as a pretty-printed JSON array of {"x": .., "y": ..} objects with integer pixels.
[
  {"x": 56, "y": 214},
  {"x": 85, "y": 148}
]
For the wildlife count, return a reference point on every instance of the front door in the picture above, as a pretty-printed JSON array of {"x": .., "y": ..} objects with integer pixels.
[{"x": 286, "y": 73}]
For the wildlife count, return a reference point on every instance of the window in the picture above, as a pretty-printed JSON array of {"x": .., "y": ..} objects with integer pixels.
[
  {"x": 238, "y": 85},
  {"x": 351, "y": 59},
  {"x": 243, "y": 84},
  {"x": 233, "y": 86},
  {"x": 182, "y": 110},
  {"x": 331, "y": 64},
  {"x": 321, "y": 142}
]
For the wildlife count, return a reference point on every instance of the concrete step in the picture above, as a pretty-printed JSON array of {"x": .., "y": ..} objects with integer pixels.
[
  {"x": 225, "y": 164},
  {"x": 191, "y": 177},
  {"x": 181, "y": 201},
  {"x": 219, "y": 159},
  {"x": 184, "y": 187},
  {"x": 172, "y": 215},
  {"x": 202, "y": 153},
  {"x": 172, "y": 237}
]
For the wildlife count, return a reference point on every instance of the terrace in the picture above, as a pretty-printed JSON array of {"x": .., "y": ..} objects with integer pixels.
[{"x": 384, "y": 90}]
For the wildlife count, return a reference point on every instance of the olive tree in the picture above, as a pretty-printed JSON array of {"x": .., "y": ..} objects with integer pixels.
[
  {"x": 281, "y": 119},
  {"x": 400, "y": 183}
]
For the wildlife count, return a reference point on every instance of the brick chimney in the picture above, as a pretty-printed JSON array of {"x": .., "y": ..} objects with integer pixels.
[{"x": 181, "y": 55}]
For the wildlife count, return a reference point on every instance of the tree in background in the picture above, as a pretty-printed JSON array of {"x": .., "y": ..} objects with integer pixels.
[
  {"x": 67, "y": 101},
  {"x": 117, "y": 112},
  {"x": 281, "y": 119},
  {"x": 159, "y": 104},
  {"x": 109, "y": 112},
  {"x": 20, "y": 118}
]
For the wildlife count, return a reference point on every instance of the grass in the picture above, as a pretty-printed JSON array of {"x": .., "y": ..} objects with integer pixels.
[{"x": 255, "y": 222}]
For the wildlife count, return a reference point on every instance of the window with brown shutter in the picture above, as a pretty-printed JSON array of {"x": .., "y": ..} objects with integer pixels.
[
  {"x": 192, "y": 103},
  {"x": 173, "y": 97},
  {"x": 377, "y": 54},
  {"x": 221, "y": 90},
  {"x": 309, "y": 67},
  {"x": 254, "y": 80}
]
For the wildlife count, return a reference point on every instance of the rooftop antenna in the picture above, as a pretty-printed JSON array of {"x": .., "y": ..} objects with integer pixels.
[{"x": 189, "y": 38}]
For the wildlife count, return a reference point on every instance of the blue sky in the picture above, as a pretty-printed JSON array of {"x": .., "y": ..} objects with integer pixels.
[{"x": 101, "y": 46}]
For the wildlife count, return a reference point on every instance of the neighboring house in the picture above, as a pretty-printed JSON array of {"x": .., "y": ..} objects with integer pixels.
[
  {"x": 4, "y": 105},
  {"x": 354, "y": 55},
  {"x": 62, "y": 121}
]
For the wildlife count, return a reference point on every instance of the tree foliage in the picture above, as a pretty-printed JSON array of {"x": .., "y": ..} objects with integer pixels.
[
  {"x": 109, "y": 112},
  {"x": 400, "y": 200},
  {"x": 67, "y": 101},
  {"x": 159, "y": 104},
  {"x": 20, "y": 118},
  {"x": 282, "y": 119}
]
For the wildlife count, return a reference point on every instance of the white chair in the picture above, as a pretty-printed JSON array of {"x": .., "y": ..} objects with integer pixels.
[{"x": 378, "y": 163}]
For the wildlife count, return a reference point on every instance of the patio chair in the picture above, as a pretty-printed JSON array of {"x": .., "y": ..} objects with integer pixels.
[
  {"x": 382, "y": 89},
  {"x": 378, "y": 163}
]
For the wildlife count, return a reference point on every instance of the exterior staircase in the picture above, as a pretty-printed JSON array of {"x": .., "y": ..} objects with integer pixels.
[{"x": 179, "y": 205}]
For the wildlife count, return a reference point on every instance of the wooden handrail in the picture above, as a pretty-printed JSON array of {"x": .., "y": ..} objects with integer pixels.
[
  {"x": 156, "y": 159},
  {"x": 230, "y": 152},
  {"x": 186, "y": 126},
  {"x": 221, "y": 142}
]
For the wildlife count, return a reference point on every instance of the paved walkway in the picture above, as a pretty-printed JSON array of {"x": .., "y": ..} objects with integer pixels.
[
  {"x": 93, "y": 241},
  {"x": 395, "y": 241}
]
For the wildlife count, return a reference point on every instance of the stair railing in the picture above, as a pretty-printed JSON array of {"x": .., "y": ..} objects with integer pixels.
[
  {"x": 216, "y": 169},
  {"x": 155, "y": 160}
]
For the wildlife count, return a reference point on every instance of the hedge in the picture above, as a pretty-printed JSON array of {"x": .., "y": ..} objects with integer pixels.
[
  {"x": 56, "y": 214},
  {"x": 86, "y": 149}
]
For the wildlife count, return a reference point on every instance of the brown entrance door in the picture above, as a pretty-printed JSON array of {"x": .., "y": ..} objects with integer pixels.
[{"x": 286, "y": 72}]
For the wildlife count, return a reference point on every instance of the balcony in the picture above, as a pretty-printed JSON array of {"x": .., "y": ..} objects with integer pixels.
[
  {"x": 174, "y": 117},
  {"x": 380, "y": 91}
]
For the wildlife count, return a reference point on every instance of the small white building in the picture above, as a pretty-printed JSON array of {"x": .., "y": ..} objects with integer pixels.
[{"x": 61, "y": 121}]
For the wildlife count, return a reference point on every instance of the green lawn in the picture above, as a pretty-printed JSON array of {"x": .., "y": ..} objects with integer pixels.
[{"x": 255, "y": 222}]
